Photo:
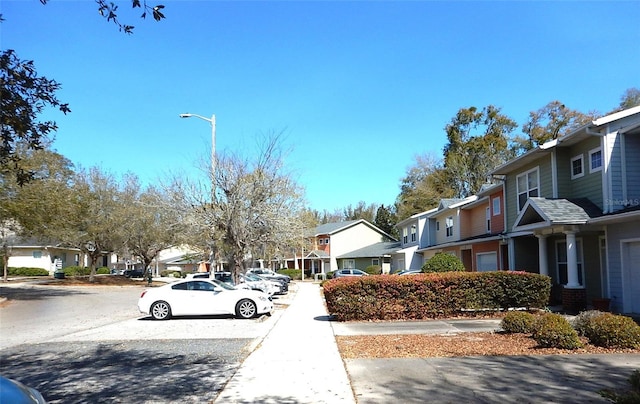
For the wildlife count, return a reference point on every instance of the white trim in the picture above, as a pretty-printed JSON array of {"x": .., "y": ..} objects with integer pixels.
[
  {"x": 591, "y": 153},
  {"x": 496, "y": 212},
  {"x": 536, "y": 169},
  {"x": 554, "y": 174},
  {"x": 581, "y": 173},
  {"x": 623, "y": 165}
]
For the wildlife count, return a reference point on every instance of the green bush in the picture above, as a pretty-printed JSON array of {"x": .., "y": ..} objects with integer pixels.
[
  {"x": 24, "y": 271},
  {"x": 582, "y": 322},
  {"x": 552, "y": 330},
  {"x": 613, "y": 331},
  {"x": 443, "y": 262},
  {"x": 434, "y": 295},
  {"x": 292, "y": 273},
  {"x": 76, "y": 271},
  {"x": 103, "y": 271},
  {"x": 373, "y": 269},
  {"x": 518, "y": 322}
]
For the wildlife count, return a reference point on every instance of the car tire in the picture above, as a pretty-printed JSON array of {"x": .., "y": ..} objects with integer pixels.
[
  {"x": 160, "y": 310},
  {"x": 246, "y": 308}
]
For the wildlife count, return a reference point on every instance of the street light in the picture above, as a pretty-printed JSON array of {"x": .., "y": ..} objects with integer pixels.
[{"x": 212, "y": 121}]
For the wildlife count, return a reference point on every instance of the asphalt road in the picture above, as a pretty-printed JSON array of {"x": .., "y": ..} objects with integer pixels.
[{"x": 91, "y": 345}]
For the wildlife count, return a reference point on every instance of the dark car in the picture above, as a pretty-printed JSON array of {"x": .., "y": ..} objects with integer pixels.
[
  {"x": 134, "y": 273},
  {"x": 269, "y": 274}
]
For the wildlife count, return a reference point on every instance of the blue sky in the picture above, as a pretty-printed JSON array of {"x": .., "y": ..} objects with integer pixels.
[{"x": 359, "y": 88}]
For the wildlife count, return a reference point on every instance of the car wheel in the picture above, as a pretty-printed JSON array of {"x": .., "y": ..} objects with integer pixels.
[
  {"x": 160, "y": 310},
  {"x": 246, "y": 308}
]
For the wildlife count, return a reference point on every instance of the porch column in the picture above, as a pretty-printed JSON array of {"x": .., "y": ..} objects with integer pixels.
[
  {"x": 543, "y": 262},
  {"x": 572, "y": 261},
  {"x": 574, "y": 295}
]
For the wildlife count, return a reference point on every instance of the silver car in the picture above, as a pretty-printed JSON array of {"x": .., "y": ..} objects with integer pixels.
[{"x": 340, "y": 273}]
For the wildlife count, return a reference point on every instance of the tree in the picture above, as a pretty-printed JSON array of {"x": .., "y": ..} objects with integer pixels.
[
  {"x": 552, "y": 121},
  {"x": 33, "y": 209},
  {"x": 256, "y": 211},
  {"x": 360, "y": 211},
  {"x": 24, "y": 95},
  {"x": 478, "y": 141},
  {"x": 150, "y": 223},
  {"x": 110, "y": 12},
  {"x": 630, "y": 99},
  {"x": 386, "y": 221},
  {"x": 422, "y": 187}
]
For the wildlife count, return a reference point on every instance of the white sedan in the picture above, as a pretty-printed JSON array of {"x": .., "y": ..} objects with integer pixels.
[{"x": 195, "y": 297}]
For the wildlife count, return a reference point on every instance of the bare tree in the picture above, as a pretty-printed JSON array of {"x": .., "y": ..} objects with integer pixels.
[{"x": 256, "y": 207}]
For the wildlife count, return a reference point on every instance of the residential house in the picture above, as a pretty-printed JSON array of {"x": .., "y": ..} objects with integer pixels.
[
  {"x": 415, "y": 234},
  {"x": 332, "y": 240},
  {"x": 378, "y": 254},
  {"x": 572, "y": 212},
  {"x": 49, "y": 256}
]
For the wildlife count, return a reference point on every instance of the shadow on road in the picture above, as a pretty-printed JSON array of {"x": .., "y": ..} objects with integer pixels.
[{"x": 131, "y": 372}]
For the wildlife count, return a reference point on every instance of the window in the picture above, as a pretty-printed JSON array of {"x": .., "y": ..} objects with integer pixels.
[
  {"x": 595, "y": 160},
  {"x": 375, "y": 261},
  {"x": 488, "y": 219},
  {"x": 326, "y": 241},
  {"x": 405, "y": 235},
  {"x": 527, "y": 186},
  {"x": 347, "y": 264},
  {"x": 321, "y": 241},
  {"x": 37, "y": 254},
  {"x": 577, "y": 169},
  {"x": 561, "y": 261},
  {"x": 449, "y": 226},
  {"x": 413, "y": 232},
  {"x": 437, "y": 226},
  {"x": 496, "y": 206}
]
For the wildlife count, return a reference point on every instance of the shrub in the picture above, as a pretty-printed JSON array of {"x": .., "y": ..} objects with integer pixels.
[
  {"x": 293, "y": 273},
  {"x": 582, "y": 322},
  {"x": 443, "y": 262},
  {"x": 76, "y": 271},
  {"x": 373, "y": 269},
  {"x": 518, "y": 322},
  {"x": 613, "y": 331},
  {"x": 552, "y": 330},
  {"x": 103, "y": 271},
  {"x": 24, "y": 271}
]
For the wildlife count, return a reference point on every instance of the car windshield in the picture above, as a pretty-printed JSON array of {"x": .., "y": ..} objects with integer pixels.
[
  {"x": 253, "y": 277},
  {"x": 222, "y": 284}
]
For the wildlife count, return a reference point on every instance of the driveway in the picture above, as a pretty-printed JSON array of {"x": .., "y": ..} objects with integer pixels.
[{"x": 91, "y": 345}]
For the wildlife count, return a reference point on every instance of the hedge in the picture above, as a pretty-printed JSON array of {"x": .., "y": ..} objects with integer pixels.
[
  {"x": 434, "y": 295},
  {"x": 27, "y": 271}
]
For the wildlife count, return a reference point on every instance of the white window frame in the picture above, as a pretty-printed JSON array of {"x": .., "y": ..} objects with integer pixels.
[
  {"x": 581, "y": 173},
  {"x": 348, "y": 264},
  {"x": 592, "y": 152},
  {"x": 414, "y": 232},
  {"x": 497, "y": 208},
  {"x": 528, "y": 190},
  {"x": 449, "y": 226},
  {"x": 375, "y": 261},
  {"x": 326, "y": 241},
  {"x": 405, "y": 235},
  {"x": 321, "y": 241},
  {"x": 487, "y": 216}
]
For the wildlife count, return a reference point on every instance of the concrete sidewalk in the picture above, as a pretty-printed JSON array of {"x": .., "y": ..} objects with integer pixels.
[{"x": 297, "y": 362}]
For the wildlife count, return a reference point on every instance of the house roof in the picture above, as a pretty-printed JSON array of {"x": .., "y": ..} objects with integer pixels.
[
  {"x": 579, "y": 134},
  {"x": 381, "y": 249},
  {"x": 545, "y": 212},
  {"x": 317, "y": 254},
  {"x": 332, "y": 228}
]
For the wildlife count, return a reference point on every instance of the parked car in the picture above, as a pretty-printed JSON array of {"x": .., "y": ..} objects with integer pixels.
[
  {"x": 194, "y": 297},
  {"x": 340, "y": 273},
  {"x": 408, "y": 272},
  {"x": 199, "y": 275},
  {"x": 12, "y": 391},
  {"x": 269, "y": 274},
  {"x": 257, "y": 283},
  {"x": 134, "y": 273}
]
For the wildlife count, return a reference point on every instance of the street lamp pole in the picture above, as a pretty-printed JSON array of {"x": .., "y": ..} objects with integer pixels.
[{"x": 212, "y": 121}]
